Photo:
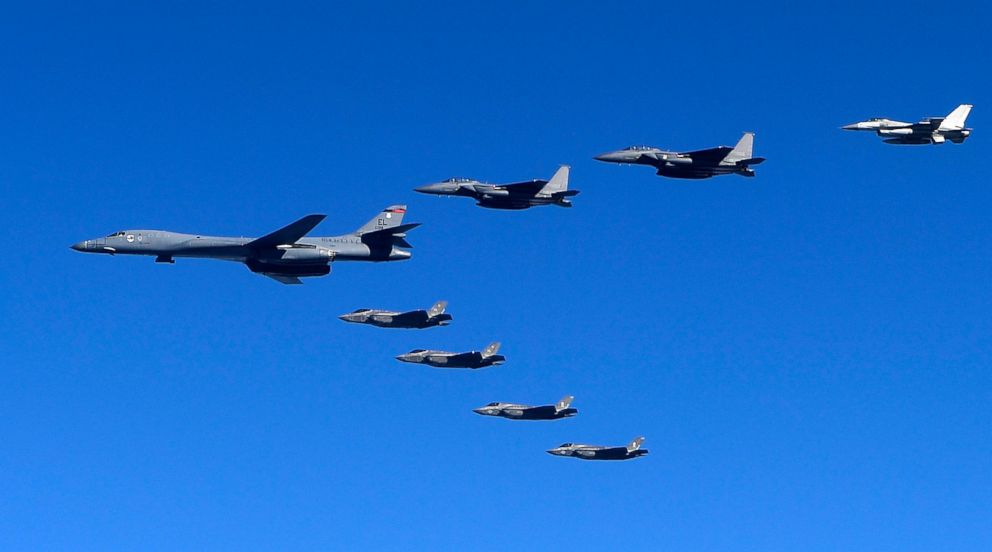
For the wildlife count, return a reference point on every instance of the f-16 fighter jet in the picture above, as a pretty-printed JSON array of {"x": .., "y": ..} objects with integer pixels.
[
  {"x": 284, "y": 255},
  {"x": 562, "y": 409},
  {"x": 932, "y": 130},
  {"x": 519, "y": 195},
  {"x": 442, "y": 359},
  {"x": 691, "y": 164},
  {"x": 412, "y": 319},
  {"x": 594, "y": 452}
]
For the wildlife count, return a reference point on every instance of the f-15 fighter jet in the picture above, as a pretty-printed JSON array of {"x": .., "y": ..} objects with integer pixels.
[
  {"x": 285, "y": 255},
  {"x": 412, "y": 319},
  {"x": 519, "y": 195},
  {"x": 931, "y": 130},
  {"x": 594, "y": 452},
  {"x": 691, "y": 164},
  {"x": 562, "y": 409},
  {"x": 443, "y": 359}
]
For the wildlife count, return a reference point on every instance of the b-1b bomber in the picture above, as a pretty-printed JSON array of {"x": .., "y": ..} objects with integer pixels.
[
  {"x": 511, "y": 411},
  {"x": 691, "y": 164},
  {"x": 285, "y": 255},
  {"x": 597, "y": 452},
  {"x": 519, "y": 195},
  {"x": 416, "y": 319},
  {"x": 443, "y": 359}
]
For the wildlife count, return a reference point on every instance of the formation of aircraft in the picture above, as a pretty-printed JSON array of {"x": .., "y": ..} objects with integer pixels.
[
  {"x": 287, "y": 254},
  {"x": 442, "y": 359},
  {"x": 931, "y": 130},
  {"x": 518, "y": 195},
  {"x": 697, "y": 164},
  {"x": 416, "y": 319},
  {"x": 512, "y": 411},
  {"x": 599, "y": 452}
]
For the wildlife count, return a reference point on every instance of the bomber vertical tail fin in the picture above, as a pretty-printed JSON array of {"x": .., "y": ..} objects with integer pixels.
[
  {"x": 558, "y": 182},
  {"x": 564, "y": 403},
  {"x": 635, "y": 444},
  {"x": 389, "y": 217},
  {"x": 491, "y": 349},
  {"x": 437, "y": 309},
  {"x": 955, "y": 119}
]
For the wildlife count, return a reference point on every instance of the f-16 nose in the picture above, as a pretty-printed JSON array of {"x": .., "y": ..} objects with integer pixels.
[{"x": 852, "y": 126}]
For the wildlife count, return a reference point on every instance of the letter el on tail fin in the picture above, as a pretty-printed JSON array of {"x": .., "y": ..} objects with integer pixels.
[
  {"x": 389, "y": 217},
  {"x": 635, "y": 444},
  {"x": 564, "y": 403},
  {"x": 955, "y": 119},
  {"x": 491, "y": 349},
  {"x": 437, "y": 309},
  {"x": 558, "y": 182}
]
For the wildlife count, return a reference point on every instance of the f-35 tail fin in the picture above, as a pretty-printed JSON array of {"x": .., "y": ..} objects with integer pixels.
[
  {"x": 635, "y": 444},
  {"x": 741, "y": 151},
  {"x": 955, "y": 119},
  {"x": 389, "y": 217},
  {"x": 437, "y": 309},
  {"x": 491, "y": 350},
  {"x": 564, "y": 403}
]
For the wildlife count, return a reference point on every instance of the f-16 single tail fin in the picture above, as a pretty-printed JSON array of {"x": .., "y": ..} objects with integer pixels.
[
  {"x": 437, "y": 309},
  {"x": 558, "y": 182},
  {"x": 955, "y": 119},
  {"x": 635, "y": 444},
  {"x": 564, "y": 403},
  {"x": 491, "y": 350},
  {"x": 389, "y": 217}
]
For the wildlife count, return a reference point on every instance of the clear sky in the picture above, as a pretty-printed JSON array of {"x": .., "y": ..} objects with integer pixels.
[{"x": 807, "y": 352}]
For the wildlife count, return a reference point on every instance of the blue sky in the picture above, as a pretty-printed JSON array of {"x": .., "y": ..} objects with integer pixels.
[{"x": 807, "y": 352}]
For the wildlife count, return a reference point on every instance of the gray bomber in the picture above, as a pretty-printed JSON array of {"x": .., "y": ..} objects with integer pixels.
[
  {"x": 444, "y": 359},
  {"x": 511, "y": 411},
  {"x": 519, "y": 195},
  {"x": 691, "y": 164},
  {"x": 597, "y": 452},
  {"x": 931, "y": 130},
  {"x": 417, "y": 319},
  {"x": 284, "y": 255}
]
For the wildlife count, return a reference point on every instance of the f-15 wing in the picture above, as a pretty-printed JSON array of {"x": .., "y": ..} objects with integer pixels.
[
  {"x": 528, "y": 187},
  {"x": 709, "y": 156}
]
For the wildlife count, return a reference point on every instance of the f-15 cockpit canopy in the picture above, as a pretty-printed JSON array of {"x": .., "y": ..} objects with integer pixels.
[
  {"x": 639, "y": 148},
  {"x": 116, "y": 234},
  {"x": 458, "y": 180}
]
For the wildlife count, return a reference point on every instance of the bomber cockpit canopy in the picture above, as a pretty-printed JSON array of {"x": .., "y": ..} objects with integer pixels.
[
  {"x": 458, "y": 180},
  {"x": 116, "y": 234}
]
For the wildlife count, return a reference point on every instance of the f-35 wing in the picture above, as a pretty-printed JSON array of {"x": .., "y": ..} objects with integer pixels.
[
  {"x": 288, "y": 234},
  {"x": 284, "y": 279}
]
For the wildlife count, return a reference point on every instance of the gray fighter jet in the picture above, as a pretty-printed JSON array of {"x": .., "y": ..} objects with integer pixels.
[
  {"x": 595, "y": 452},
  {"x": 931, "y": 130},
  {"x": 691, "y": 164},
  {"x": 417, "y": 319},
  {"x": 443, "y": 359},
  {"x": 562, "y": 409},
  {"x": 519, "y": 195},
  {"x": 284, "y": 255}
]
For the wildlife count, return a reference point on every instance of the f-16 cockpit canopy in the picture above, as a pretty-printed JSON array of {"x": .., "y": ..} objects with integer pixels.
[
  {"x": 458, "y": 180},
  {"x": 116, "y": 234}
]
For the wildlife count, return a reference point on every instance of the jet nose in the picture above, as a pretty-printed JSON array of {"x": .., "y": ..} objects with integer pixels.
[
  {"x": 431, "y": 189},
  {"x": 80, "y": 246},
  {"x": 479, "y": 411},
  {"x": 852, "y": 126},
  {"x": 611, "y": 157}
]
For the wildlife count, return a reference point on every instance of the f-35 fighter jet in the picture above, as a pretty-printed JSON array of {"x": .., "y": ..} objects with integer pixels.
[
  {"x": 443, "y": 359},
  {"x": 931, "y": 130},
  {"x": 691, "y": 164},
  {"x": 594, "y": 452},
  {"x": 412, "y": 319},
  {"x": 562, "y": 409},
  {"x": 519, "y": 195},
  {"x": 284, "y": 255}
]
